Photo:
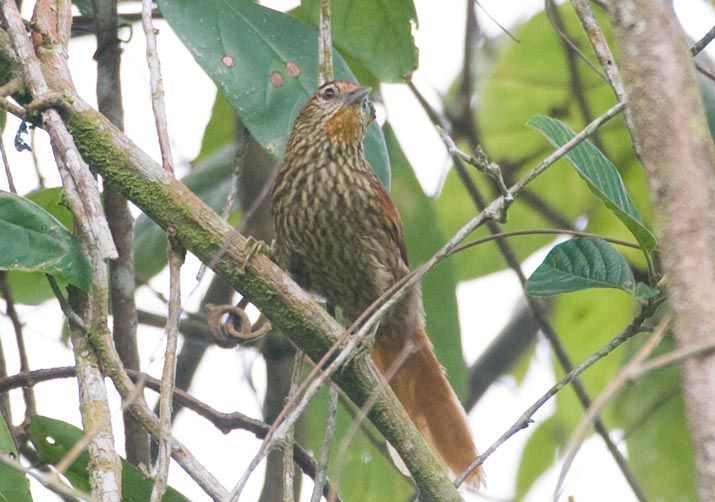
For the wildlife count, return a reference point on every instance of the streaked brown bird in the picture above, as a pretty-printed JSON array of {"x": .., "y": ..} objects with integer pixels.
[{"x": 339, "y": 234}]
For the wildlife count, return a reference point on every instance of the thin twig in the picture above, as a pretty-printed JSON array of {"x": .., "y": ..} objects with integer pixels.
[
  {"x": 157, "y": 86},
  {"x": 557, "y": 24},
  {"x": 325, "y": 45},
  {"x": 288, "y": 470},
  {"x": 322, "y": 468},
  {"x": 27, "y": 394},
  {"x": 6, "y": 164},
  {"x": 501, "y": 27},
  {"x": 579, "y": 434},
  {"x": 672, "y": 358},
  {"x": 161, "y": 469},
  {"x": 698, "y": 46},
  {"x": 525, "y": 419},
  {"x": 542, "y": 231}
]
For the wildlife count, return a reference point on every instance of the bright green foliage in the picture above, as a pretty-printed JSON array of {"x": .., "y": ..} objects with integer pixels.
[
  {"x": 601, "y": 176},
  {"x": 32, "y": 240},
  {"x": 13, "y": 483},
  {"x": 32, "y": 287},
  {"x": 53, "y": 439},
  {"x": 264, "y": 62},
  {"x": 375, "y": 33},
  {"x": 581, "y": 263}
]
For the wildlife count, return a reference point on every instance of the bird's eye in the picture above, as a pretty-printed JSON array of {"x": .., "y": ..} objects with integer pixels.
[{"x": 329, "y": 93}]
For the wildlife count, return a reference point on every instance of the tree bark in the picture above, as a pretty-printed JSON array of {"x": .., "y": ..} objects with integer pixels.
[{"x": 670, "y": 128}]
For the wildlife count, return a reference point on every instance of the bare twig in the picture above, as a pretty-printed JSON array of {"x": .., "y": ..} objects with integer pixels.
[
  {"x": 161, "y": 468},
  {"x": 6, "y": 164},
  {"x": 480, "y": 161},
  {"x": 501, "y": 27},
  {"x": 555, "y": 20},
  {"x": 325, "y": 45},
  {"x": 672, "y": 358},
  {"x": 322, "y": 468},
  {"x": 579, "y": 434},
  {"x": 288, "y": 470},
  {"x": 542, "y": 231},
  {"x": 698, "y": 47},
  {"x": 27, "y": 394},
  {"x": 157, "y": 86},
  {"x": 525, "y": 418}
]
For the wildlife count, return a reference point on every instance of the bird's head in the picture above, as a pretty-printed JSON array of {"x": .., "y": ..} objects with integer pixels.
[{"x": 340, "y": 109}]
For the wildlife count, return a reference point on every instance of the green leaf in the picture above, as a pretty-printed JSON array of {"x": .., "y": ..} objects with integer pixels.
[
  {"x": 54, "y": 438},
  {"x": 423, "y": 238},
  {"x": 32, "y": 288},
  {"x": 581, "y": 263},
  {"x": 210, "y": 180},
  {"x": 264, "y": 63},
  {"x": 32, "y": 240},
  {"x": 220, "y": 131},
  {"x": 376, "y": 33},
  {"x": 601, "y": 176},
  {"x": 13, "y": 483}
]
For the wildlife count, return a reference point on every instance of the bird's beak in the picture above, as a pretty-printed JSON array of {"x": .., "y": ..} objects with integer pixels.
[{"x": 356, "y": 96}]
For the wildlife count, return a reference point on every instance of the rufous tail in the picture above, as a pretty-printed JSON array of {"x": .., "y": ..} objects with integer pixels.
[{"x": 422, "y": 387}]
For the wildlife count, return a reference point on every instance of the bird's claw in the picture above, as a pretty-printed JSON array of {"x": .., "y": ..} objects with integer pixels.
[
  {"x": 363, "y": 347},
  {"x": 255, "y": 247}
]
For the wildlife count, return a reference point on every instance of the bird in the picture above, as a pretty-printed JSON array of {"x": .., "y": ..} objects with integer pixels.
[{"x": 338, "y": 233}]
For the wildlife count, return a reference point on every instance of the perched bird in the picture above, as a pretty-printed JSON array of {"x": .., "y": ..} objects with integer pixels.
[{"x": 339, "y": 234}]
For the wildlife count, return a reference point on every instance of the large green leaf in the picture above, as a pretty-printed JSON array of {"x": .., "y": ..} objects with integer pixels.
[
  {"x": 220, "y": 130},
  {"x": 376, "y": 33},
  {"x": 210, "y": 180},
  {"x": 13, "y": 483},
  {"x": 265, "y": 63},
  {"x": 601, "y": 176},
  {"x": 423, "y": 238},
  {"x": 53, "y": 439},
  {"x": 32, "y": 287},
  {"x": 32, "y": 240},
  {"x": 581, "y": 263}
]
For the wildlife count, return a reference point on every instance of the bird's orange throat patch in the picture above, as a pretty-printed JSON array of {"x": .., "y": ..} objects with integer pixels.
[{"x": 344, "y": 126}]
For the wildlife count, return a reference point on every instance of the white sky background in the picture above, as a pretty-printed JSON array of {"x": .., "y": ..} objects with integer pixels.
[{"x": 220, "y": 380}]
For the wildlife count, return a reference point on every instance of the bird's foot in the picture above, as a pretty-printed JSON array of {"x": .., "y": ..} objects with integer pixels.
[
  {"x": 362, "y": 348},
  {"x": 255, "y": 247}
]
